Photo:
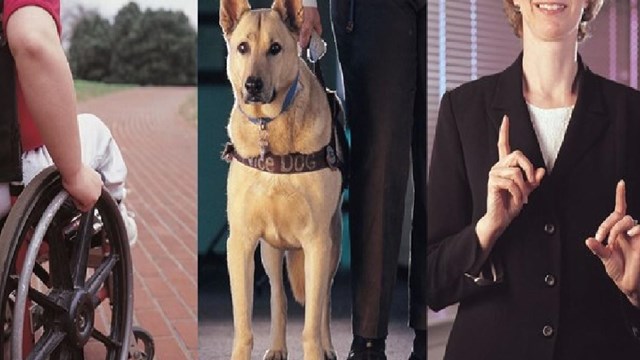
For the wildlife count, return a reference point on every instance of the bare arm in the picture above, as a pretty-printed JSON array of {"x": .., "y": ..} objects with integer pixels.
[{"x": 47, "y": 85}]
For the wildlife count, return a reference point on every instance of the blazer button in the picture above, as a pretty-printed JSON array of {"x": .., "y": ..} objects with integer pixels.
[
  {"x": 549, "y": 229},
  {"x": 550, "y": 280},
  {"x": 547, "y": 331}
]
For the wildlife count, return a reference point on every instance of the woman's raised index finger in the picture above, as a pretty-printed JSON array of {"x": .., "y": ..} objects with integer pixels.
[{"x": 504, "y": 148}]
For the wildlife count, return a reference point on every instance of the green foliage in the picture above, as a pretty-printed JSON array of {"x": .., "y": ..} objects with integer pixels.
[
  {"x": 154, "y": 47},
  {"x": 90, "y": 50}
]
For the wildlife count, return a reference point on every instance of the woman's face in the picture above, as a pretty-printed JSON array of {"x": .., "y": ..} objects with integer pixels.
[{"x": 551, "y": 20}]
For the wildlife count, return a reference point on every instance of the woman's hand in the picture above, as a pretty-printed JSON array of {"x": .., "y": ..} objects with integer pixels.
[
  {"x": 621, "y": 254},
  {"x": 511, "y": 180}
]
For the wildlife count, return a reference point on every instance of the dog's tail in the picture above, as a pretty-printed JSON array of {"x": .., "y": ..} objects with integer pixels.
[{"x": 295, "y": 269}]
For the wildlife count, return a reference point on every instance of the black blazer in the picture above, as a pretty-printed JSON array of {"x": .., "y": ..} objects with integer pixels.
[{"x": 555, "y": 300}]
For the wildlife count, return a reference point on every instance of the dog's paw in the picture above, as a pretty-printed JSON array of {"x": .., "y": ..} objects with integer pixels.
[
  {"x": 275, "y": 355},
  {"x": 330, "y": 355}
]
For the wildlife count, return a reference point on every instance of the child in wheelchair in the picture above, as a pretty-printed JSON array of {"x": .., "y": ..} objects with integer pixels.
[{"x": 81, "y": 147}]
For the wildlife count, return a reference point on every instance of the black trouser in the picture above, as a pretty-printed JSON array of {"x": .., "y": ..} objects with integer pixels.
[{"x": 383, "y": 60}]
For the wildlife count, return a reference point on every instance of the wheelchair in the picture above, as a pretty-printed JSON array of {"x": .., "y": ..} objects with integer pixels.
[{"x": 66, "y": 279}]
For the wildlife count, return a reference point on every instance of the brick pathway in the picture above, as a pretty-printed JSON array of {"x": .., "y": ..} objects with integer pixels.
[{"x": 160, "y": 149}]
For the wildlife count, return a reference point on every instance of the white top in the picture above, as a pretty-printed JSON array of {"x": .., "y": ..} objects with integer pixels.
[
  {"x": 550, "y": 126},
  {"x": 310, "y": 3}
]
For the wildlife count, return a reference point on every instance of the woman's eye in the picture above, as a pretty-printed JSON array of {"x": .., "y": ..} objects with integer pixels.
[
  {"x": 243, "y": 48},
  {"x": 275, "y": 49}
]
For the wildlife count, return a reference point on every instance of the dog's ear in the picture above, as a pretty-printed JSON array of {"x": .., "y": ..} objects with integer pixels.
[
  {"x": 230, "y": 13},
  {"x": 290, "y": 11}
]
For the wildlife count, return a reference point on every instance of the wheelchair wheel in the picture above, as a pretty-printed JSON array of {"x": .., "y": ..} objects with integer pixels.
[
  {"x": 143, "y": 347},
  {"x": 65, "y": 277}
]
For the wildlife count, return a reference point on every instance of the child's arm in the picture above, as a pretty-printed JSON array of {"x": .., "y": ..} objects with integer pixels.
[{"x": 47, "y": 85}]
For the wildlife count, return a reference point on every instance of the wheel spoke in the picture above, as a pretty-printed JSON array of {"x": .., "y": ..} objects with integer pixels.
[
  {"x": 59, "y": 269},
  {"x": 107, "y": 341},
  {"x": 101, "y": 274},
  {"x": 47, "y": 344},
  {"x": 81, "y": 250},
  {"x": 42, "y": 274},
  {"x": 37, "y": 296}
]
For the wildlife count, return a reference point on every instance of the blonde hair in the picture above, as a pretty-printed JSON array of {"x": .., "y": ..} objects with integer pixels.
[{"x": 515, "y": 17}]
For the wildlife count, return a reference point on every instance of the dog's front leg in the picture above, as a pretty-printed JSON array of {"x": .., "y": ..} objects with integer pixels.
[
  {"x": 241, "y": 266},
  {"x": 316, "y": 268},
  {"x": 272, "y": 260},
  {"x": 336, "y": 243}
]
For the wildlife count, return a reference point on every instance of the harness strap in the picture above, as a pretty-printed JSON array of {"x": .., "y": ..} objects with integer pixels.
[
  {"x": 334, "y": 155},
  {"x": 292, "y": 163},
  {"x": 338, "y": 124}
]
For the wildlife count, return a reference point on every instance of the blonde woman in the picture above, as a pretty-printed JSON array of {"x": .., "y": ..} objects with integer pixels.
[{"x": 525, "y": 167}]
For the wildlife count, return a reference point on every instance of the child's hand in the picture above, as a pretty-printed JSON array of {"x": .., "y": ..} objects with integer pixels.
[{"x": 85, "y": 187}]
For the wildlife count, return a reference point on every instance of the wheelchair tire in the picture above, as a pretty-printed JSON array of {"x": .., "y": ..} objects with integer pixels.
[
  {"x": 148, "y": 346},
  {"x": 64, "y": 298}
]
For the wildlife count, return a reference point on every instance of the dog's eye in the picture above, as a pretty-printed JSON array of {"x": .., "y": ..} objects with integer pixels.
[
  {"x": 243, "y": 48},
  {"x": 275, "y": 49}
]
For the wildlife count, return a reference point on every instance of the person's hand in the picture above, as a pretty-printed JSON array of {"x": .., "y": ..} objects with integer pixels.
[
  {"x": 310, "y": 22},
  {"x": 84, "y": 187},
  {"x": 621, "y": 254},
  {"x": 511, "y": 180}
]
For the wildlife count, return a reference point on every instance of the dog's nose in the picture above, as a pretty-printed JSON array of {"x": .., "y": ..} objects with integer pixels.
[{"x": 253, "y": 85}]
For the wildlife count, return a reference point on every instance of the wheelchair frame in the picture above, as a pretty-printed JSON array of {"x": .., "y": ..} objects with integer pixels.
[{"x": 47, "y": 244}]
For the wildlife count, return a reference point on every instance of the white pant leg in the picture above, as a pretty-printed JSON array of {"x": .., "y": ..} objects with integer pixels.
[{"x": 99, "y": 151}]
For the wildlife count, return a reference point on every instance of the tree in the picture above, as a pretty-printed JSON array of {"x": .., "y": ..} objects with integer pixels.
[
  {"x": 159, "y": 48},
  {"x": 90, "y": 47},
  {"x": 154, "y": 47},
  {"x": 124, "y": 23}
]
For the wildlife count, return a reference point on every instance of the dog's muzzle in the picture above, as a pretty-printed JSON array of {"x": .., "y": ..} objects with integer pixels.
[{"x": 254, "y": 87}]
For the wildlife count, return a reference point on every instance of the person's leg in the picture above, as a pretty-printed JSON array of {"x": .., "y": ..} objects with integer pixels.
[
  {"x": 99, "y": 151},
  {"x": 378, "y": 60},
  {"x": 418, "y": 267}
]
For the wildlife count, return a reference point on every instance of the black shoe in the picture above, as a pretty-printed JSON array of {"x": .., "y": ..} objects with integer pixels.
[
  {"x": 367, "y": 355},
  {"x": 416, "y": 357},
  {"x": 367, "y": 349}
]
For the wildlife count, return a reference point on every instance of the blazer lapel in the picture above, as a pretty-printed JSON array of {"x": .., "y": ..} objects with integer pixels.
[
  {"x": 508, "y": 100},
  {"x": 587, "y": 123}
]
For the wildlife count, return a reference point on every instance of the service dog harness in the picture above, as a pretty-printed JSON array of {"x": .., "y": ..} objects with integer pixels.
[{"x": 331, "y": 156}]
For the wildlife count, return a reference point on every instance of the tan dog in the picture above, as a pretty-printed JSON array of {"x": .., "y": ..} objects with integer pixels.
[{"x": 297, "y": 214}]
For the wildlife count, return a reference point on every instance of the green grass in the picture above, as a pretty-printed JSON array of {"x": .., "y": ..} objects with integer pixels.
[{"x": 86, "y": 90}]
